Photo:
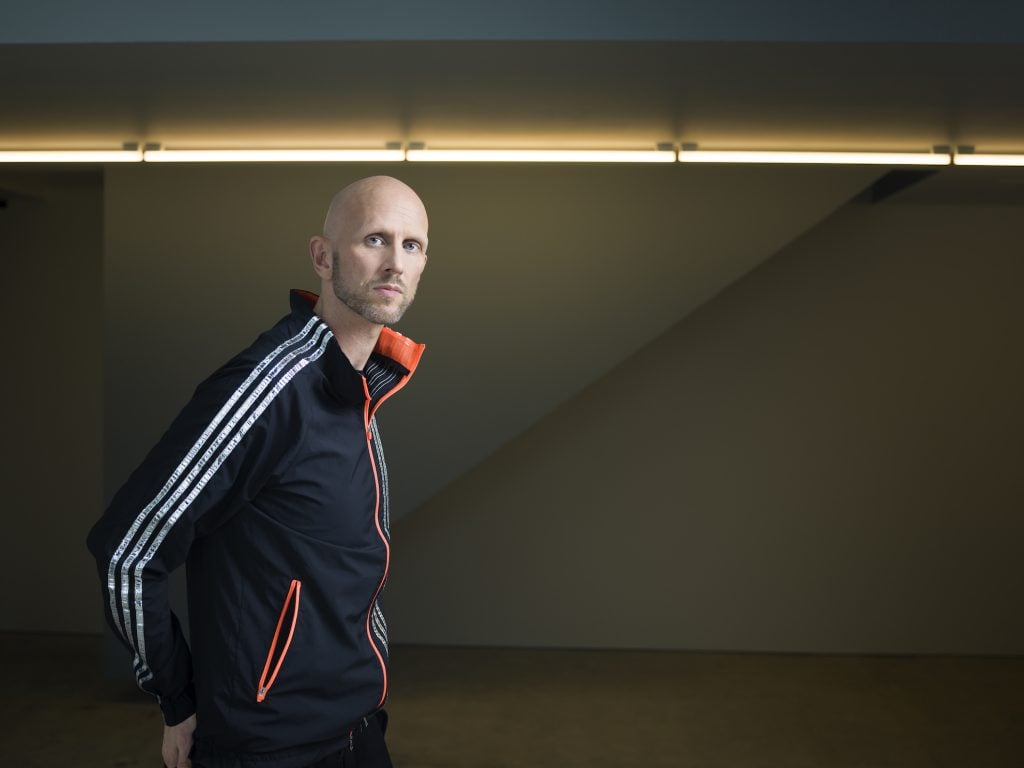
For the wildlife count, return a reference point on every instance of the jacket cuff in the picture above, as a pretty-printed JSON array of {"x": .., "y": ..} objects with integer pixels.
[{"x": 179, "y": 708}]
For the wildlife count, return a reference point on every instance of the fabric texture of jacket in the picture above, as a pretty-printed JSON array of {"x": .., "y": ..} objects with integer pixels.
[{"x": 271, "y": 486}]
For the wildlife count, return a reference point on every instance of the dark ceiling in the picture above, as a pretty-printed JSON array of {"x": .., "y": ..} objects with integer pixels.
[{"x": 727, "y": 95}]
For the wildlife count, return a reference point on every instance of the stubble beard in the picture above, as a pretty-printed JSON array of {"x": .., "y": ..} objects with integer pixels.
[{"x": 361, "y": 299}]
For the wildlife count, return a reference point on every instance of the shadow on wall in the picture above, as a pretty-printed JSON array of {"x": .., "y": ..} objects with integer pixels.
[{"x": 824, "y": 458}]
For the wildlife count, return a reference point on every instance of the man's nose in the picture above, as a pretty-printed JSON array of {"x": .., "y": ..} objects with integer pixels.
[{"x": 395, "y": 261}]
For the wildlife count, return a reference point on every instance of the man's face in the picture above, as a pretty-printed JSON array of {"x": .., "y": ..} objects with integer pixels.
[{"x": 379, "y": 254}]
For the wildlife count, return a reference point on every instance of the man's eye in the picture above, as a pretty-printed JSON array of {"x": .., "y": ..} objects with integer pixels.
[
  {"x": 412, "y": 246},
  {"x": 375, "y": 240}
]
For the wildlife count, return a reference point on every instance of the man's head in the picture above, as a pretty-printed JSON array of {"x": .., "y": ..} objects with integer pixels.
[{"x": 372, "y": 250}]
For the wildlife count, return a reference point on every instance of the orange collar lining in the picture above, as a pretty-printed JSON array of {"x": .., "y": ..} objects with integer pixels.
[{"x": 392, "y": 344}]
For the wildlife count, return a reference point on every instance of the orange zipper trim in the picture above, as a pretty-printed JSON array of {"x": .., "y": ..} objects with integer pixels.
[
  {"x": 376, "y": 521},
  {"x": 409, "y": 353},
  {"x": 295, "y": 589}
]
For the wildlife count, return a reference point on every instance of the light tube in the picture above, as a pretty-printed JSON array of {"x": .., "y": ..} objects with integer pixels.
[
  {"x": 540, "y": 156},
  {"x": 70, "y": 156},
  {"x": 821, "y": 158},
  {"x": 980, "y": 159},
  {"x": 271, "y": 155},
  {"x": 509, "y": 155}
]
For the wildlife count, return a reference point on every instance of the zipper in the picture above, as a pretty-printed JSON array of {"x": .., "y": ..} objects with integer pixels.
[
  {"x": 294, "y": 590},
  {"x": 367, "y": 415}
]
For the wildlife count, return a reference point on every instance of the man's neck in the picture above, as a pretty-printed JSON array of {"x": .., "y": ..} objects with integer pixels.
[{"x": 356, "y": 336}]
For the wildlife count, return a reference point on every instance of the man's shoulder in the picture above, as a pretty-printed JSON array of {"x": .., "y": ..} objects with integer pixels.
[{"x": 271, "y": 361}]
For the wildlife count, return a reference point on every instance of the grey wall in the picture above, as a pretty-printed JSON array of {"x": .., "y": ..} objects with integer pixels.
[
  {"x": 826, "y": 457},
  {"x": 199, "y": 259},
  {"x": 822, "y": 458},
  {"x": 51, "y": 245},
  {"x": 193, "y": 271}
]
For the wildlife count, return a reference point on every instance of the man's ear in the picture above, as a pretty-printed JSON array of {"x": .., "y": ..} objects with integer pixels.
[{"x": 320, "y": 255}]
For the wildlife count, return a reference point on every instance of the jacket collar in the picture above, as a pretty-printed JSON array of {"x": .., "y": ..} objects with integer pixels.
[{"x": 393, "y": 350}]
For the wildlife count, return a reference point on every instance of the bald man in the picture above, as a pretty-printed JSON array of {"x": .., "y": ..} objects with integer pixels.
[{"x": 271, "y": 487}]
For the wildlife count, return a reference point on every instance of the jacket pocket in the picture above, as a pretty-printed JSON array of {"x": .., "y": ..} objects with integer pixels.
[{"x": 290, "y": 607}]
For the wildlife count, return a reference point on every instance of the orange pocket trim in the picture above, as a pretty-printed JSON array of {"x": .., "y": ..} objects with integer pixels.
[{"x": 294, "y": 590}]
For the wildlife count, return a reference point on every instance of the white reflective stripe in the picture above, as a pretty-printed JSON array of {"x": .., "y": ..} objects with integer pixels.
[
  {"x": 380, "y": 627},
  {"x": 384, "y": 384},
  {"x": 196, "y": 447},
  {"x": 146, "y": 673},
  {"x": 385, "y": 491},
  {"x": 147, "y": 534},
  {"x": 378, "y": 378},
  {"x": 375, "y": 375},
  {"x": 169, "y": 523}
]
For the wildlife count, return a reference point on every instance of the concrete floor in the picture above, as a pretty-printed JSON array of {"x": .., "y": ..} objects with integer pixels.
[{"x": 500, "y": 708}]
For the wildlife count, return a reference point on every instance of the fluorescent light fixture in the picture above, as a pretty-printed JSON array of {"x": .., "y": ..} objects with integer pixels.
[
  {"x": 70, "y": 156},
  {"x": 418, "y": 154},
  {"x": 819, "y": 158},
  {"x": 980, "y": 159},
  {"x": 271, "y": 155},
  {"x": 540, "y": 156}
]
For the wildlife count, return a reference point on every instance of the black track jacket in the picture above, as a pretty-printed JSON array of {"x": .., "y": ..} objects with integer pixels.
[{"x": 271, "y": 484}]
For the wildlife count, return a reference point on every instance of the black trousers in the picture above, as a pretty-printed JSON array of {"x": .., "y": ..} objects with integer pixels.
[{"x": 366, "y": 747}]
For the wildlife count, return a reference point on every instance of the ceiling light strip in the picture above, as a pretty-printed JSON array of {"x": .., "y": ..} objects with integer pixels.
[
  {"x": 272, "y": 155},
  {"x": 70, "y": 156},
  {"x": 510, "y": 156},
  {"x": 540, "y": 156},
  {"x": 988, "y": 159},
  {"x": 814, "y": 158}
]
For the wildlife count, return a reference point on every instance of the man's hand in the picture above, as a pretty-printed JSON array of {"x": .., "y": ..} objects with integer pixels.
[{"x": 178, "y": 743}]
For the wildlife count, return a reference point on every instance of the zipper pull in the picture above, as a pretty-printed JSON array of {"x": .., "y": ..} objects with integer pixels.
[{"x": 351, "y": 745}]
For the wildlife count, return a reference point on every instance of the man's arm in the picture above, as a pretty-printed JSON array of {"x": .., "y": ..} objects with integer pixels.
[{"x": 215, "y": 456}]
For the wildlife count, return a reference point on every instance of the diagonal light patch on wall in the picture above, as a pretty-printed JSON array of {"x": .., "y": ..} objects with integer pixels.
[{"x": 545, "y": 278}]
